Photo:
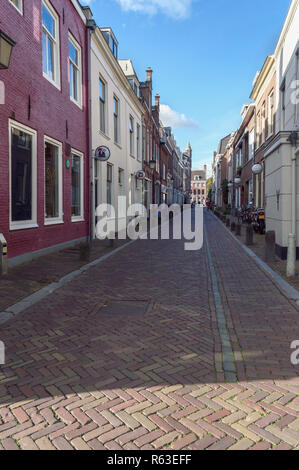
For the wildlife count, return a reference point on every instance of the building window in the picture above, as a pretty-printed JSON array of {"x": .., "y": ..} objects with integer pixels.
[
  {"x": 77, "y": 186},
  {"x": 102, "y": 106},
  {"x": 18, "y": 4},
  {"x": 75, "y": 70},
  {"x": 51, "y": 63},
  {"x": 22, "y": 176},
  {"x": 148, "y": 147},
  {"x": 258, "y": 129},
  {"x": 251, "y": 145},
  {"x": 271, "y": 114},
  {"x": 53, "y": 181},
  {"x": 143, "y": 143},
  {"x": 116, "y": 119},
  {"x": 138, "y": 142},
  {"x": 109, "y": 187},
  {"x": 263, "y": 122},
  {"x": 131, "y": 136}
]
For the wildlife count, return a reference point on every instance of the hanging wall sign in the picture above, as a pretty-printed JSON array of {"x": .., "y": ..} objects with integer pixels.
[
  {"x": 140, "y": 175},
  {"x": 102, "y": 154}
]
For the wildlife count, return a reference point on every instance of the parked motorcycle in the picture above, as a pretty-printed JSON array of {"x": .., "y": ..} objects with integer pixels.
[{"x": 258, "y": 221}]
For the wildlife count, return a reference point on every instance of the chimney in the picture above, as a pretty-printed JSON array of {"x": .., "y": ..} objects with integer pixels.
[
  {"x": 149, "y": 74},
  {"x": 157, "y": 100}
]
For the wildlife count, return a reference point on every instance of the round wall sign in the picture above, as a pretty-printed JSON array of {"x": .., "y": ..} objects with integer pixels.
[
  {"x": 102, "y": 154},
  {"x": 68, "y": 164},
  {"x": 140, "y": 175}
]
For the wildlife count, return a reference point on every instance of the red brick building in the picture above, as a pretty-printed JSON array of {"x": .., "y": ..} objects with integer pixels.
[
  {"x": 44, "y": 164},
  {"x": 151, "y": 142}
]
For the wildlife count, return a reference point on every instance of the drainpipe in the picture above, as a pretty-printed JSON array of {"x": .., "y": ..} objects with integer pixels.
[
  {"x": 90, "y": 28},
  {"x": 292, "y": 242}
]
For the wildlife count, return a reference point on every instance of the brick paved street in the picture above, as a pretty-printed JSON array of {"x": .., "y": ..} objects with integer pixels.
[{"x": 80, "y": 377}]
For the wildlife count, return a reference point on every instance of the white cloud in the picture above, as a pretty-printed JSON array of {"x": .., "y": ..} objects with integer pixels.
[
  {"x": 177, "y": 9},
  {"x": 171, "y": 118}
]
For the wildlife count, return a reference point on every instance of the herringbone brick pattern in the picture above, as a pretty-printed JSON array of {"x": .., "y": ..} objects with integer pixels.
[{"x": 79, "y": 378}]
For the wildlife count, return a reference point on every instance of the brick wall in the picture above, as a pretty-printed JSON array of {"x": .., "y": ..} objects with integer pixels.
[{"x": 51, "y": 113}]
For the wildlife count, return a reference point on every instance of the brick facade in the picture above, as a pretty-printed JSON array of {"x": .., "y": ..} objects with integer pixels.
[{"x": 31, "y": 100}]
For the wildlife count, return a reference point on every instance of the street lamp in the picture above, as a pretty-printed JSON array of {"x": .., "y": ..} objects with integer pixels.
[
  {"x": 152, "y": 164},
  {"x": 257, "y": 169},
  {"x": 6, "y": 46}
]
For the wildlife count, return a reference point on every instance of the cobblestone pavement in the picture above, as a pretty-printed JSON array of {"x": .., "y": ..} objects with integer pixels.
[{"x": 80, "y": 375}]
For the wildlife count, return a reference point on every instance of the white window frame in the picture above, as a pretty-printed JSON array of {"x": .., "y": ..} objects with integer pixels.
[
  {"x": 55, "y": 220},
  {"x": 251, "y": 141},
  {"x": 263, "y": 117},
  {"x": 19, "y": 9},
  {"x": 79, "y": 218},
  {"x": 131, "y": 135},
  {"x": 271, "y": 116},
  {"x": 77, "y": 46},
  {"x": 116, "y": 141},
  {"x": 56, "y": 81},
  {"x": 27, "y": 224},
  {"x": 138, "y": 135},
  {"x": 104, "y": 132}
]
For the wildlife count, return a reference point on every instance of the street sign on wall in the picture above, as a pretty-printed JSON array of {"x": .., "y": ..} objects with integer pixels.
[
  {"x": 140, "y": 175},
  {"x": 102, "y": 154}
]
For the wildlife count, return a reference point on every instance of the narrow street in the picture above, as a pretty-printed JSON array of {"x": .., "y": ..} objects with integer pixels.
[{"x": 129, "y": 356}]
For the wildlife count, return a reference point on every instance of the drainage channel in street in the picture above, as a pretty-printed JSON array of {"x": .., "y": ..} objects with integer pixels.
[{"x": 228, "y": 359}]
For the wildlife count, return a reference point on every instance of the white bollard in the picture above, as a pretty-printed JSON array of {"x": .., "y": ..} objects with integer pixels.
[{"x": 291, "y": 262}]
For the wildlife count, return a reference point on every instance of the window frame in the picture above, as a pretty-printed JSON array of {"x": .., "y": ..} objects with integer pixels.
[
  {"x": 21, "y": 9},
  {"x": 117, "y": 117},
  {"x": 25, "y": 224},
  {"x": 77, "y": 46},
  {"x": 54, "y": 220},
  {"x": 56, "y": 50},
  {"x": 79, "y": 218},
  {"x": 138, "y": 134},
  {"x": 101, "y": 79},
  {"x": 271, "y": 115},
  {"x": 131, "y": 131}
]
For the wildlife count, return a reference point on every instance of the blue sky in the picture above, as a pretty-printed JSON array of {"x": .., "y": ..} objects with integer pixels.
[{"x": 204, "y": 55}]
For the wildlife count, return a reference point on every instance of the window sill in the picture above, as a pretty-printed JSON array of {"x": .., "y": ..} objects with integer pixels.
[
  {"x": 57, "y": 85},
  {"x": 132, "y": 156},
  {"x": 54, "y": 222},
  {"x": 77, "y": 103},
  {"x": 118, "y": 145},
  {"x": 13, "y": 228},
  {"x": 76, "y": 220},
  {"x": 104, "y": 135},
  {"x": 20, "y": 11}
]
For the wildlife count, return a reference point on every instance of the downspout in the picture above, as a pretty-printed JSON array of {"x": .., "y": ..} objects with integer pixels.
[
  {"x": 292, "y": 242},
  {"x": 89, "y": 29}
]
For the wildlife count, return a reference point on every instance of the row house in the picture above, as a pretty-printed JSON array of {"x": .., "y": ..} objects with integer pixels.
[
  {"x": 219, "y": 171},
  {"x": 262, "y": 167},
  {"x": 281, "y": 153},
  {"x": 78, "y": 130},
  {"x": 44, "y": 153},
  {"x": 116, "y": 123},
  {"x": 243, "y": 155},
  {"x": 263, "y": 95},
  {"x": 199, "y": 186}
]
